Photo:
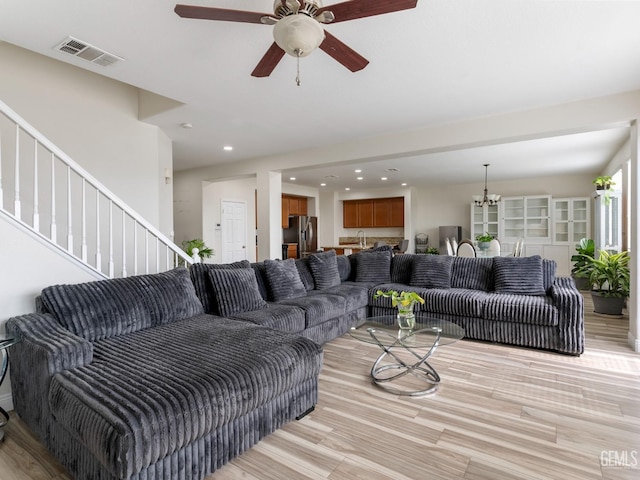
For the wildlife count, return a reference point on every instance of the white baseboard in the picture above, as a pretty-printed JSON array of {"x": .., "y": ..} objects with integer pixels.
[
  {"x": 633, "y": 342},
  {"x": 6, "y": 402}
]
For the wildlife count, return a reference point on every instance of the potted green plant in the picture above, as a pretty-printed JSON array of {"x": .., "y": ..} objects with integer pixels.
[
  {"x": 405, "y": 302},
  {"x": 484, "y": 240},
  {"x": 432, "y": 251},
  {"x": 604, "y": 182},
  {"x": 586, "y": 247},
  {"x": 609, "y": 279},
  {"x": 198, "y": 246}
]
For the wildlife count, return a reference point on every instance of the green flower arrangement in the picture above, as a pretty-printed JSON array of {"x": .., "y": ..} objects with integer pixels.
[{"x": 402, "y": 300}]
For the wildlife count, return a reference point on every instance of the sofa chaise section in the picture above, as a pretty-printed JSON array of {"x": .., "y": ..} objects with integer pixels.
[{"x": 157, "y": 389}]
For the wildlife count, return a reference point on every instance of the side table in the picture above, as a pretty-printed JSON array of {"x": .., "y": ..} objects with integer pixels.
[{"x": 5, "y": 343}]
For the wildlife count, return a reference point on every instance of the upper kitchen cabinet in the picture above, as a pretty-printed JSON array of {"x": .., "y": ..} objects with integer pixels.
[
  {"x": 373, "y": 212},
  {"x": 293, "y": 205}
]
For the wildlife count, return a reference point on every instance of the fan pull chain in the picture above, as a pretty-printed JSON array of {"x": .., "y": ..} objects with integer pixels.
[{"x": 298, "y": 52}]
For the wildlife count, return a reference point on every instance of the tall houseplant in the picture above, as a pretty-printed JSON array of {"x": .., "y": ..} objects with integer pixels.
[
  {"x": 586, "y": 247},
  {"x": 610, "y": 281}
]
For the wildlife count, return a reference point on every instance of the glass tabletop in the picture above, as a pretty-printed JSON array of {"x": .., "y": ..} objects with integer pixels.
[{"x": 387, "y": 333}]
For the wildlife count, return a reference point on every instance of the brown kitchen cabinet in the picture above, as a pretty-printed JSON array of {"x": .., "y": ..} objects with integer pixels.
[
  {"x": 373, "y": 212},
  {"x": 293, "y": 205}
]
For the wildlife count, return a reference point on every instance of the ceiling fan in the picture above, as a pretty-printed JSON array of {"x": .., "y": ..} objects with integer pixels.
[{"x": 297, "y": 27}]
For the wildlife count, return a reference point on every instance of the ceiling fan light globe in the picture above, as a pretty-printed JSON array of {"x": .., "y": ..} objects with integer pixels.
[{"x": 298, "y": 35}]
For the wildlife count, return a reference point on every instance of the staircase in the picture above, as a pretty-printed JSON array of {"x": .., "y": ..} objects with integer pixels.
[{"x": 43, "y": 191}]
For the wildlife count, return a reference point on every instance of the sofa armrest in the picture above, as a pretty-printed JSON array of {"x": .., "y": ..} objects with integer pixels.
[
  {"x": 570, "y": 303},
  {"x": 45, "y": 348}
]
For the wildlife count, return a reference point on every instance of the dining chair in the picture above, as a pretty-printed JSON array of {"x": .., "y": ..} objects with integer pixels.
[
  {"x": 449, "y": 247},
  {"x": 494, "y": 248},
  {"x": 465, "y": 249},
  {"x": 454, "y": 245},
  {"x": 401, "y": 247}
]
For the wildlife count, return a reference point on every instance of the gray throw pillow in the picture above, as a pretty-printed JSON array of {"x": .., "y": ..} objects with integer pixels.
[
  {"x": 373, "y": 267},
  {"x": 284, "y": 279},
  {"x": 519, "y": 275},
  {"x": 431, "y": 271},
  {"x": 472, "y": 273},
  {"x": 324, "y": 268},
  {"x": 201, "y": 280},
  {"x": 236, "y": 290}
]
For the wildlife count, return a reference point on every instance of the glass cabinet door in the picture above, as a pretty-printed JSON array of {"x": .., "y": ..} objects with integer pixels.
[
  {"x": 513, "y": 215},
  {"x": 561, "y": 221},
  {"x": 537, "y": 217},
  {"x": 570, "y": 220},
  {"x": 580, "y": 219},
  {"x": 527, "y": 218},
  {"x": 484, "y": 219}
]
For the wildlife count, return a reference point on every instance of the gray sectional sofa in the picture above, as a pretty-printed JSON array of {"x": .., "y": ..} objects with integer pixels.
[{"x": 171, "y": 375}]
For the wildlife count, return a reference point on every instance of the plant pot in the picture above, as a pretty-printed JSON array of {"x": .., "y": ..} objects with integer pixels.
[
  {"x": 607, "y": 305},
  {"x": 582, "y": 283},
  {"x": 484, "y": 246}
]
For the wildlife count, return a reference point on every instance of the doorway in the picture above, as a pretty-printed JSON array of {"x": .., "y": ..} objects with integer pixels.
[{"x": 233, "y": 231}]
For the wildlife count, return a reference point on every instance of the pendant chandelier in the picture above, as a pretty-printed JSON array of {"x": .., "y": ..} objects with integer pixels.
[{"x": 486, "y": 199}]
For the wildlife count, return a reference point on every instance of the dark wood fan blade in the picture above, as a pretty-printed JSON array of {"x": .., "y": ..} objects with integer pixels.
[
  {"x": 353, "y": 9},
  {"x": 211, "y": 13},
  {"x": 342, "y": 53},
  {"x": 268, "y": 62}
]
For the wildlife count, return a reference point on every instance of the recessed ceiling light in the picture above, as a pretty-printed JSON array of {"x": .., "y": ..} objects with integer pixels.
[
  {"x": 358, "y": 170},
  {"x": 292, "y": 178},
  {"x": 360, "y": 178},
  {"x": 403, "y": 184},
  {"x": 323, "y": 184},
  {"x": 186, "y": 125},
  {"x": 347, "y": 188},
  {"x": 227, "y": 148},
  {"x": 383, "y": 178}
]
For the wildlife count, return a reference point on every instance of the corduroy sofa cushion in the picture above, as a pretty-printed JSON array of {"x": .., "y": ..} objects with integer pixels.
[
  {"x": 150, "y": 393},
  {"x": 202, "y": 282},
  {"x": 519, "y": 275},
  {"x": 106, "y": 308},
  {"x": 324, "y": 267},
  {"x": 528, "y": 309},
  {"x": 373, "y": 267},
  {"x": 284, "y": 279},
  {"x": 236, "y": 291},
  {"x": 431, "y": 271},
  {"x": 472, "y": 273}
]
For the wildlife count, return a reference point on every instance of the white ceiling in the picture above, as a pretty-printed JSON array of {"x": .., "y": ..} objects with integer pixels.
[{"x": 444, "y": 61}]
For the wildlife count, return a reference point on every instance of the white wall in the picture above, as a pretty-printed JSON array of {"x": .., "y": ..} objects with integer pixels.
[{"x": 94, "y": 120}]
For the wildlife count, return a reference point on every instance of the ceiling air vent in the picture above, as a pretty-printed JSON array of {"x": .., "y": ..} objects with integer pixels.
[{"x": 88, "y": 52}]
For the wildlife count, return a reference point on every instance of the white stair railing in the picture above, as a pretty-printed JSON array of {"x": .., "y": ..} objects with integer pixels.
[{"x": 93, "y": 225}]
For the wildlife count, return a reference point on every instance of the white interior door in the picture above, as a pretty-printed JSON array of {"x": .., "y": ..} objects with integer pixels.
[{"x": 234, "y": 231}]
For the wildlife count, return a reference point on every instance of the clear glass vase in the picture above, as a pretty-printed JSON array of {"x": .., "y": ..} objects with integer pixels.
[{"x": 406, "y": 318}]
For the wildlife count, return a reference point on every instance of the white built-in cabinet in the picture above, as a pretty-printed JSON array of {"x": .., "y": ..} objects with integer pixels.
[
  {"x": 549, "y": 227},
  {"x": 527, "y": 218},
  {"x": 571, "y": 220},
  {"x": 485, "y": 219}
]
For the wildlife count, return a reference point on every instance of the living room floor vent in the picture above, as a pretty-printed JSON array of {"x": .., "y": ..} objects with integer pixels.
[{"x": 88, "y": 52}]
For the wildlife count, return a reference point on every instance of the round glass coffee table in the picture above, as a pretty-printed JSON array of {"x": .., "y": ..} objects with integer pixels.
[{"x": 389, "y": 368}]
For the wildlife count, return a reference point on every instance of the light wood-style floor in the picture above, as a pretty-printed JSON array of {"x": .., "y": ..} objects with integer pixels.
[{"x": 501, "y": 413}]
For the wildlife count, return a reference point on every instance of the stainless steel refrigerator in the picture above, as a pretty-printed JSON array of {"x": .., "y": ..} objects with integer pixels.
[{"x": 302, "y": 230}]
